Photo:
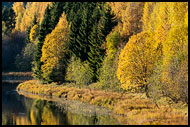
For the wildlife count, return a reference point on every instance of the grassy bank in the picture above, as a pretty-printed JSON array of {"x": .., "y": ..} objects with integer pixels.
[
  {"x": 16, "y": 77},
  {"x": 133, "y": 108},
  {"x": 17, "y": 74}
]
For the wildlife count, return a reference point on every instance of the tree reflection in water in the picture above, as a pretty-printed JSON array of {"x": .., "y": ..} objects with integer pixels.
[
  {"x": 46, "y": 113},
  {"x": 43, "y": 112}
]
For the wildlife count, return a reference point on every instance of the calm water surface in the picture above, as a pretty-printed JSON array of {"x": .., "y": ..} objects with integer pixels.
[{"x": 20, "y": 110}]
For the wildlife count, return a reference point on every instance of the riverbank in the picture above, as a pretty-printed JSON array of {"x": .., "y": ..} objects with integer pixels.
[
  {"x": 16, "y": 77},
  {"x": 134, "y": 109}
]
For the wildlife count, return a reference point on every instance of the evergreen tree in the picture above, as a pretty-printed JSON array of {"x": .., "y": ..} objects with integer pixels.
[
  {"x": 101, "y": 29},
  {"x": 54, "y": 53},
  {"x": 8, "y": 16},
  {"x": 67, "y": 8},
  {"x": 29, "y": 28},
  {"x": 34, "y": 22},
  {"x": 27, "y": 38},
  {"x": 75, "y": 15},
  {"x": 84, "y": 31},
  {"x": 82, "y": 37},
  {"x": 56, "y": 11},
  {"x": 75, "y": 9},
  {"x": 108, "y": 21},
  {"x": 5, "y": 13},
  {"x": 45, "y": 28},
  {"x": 49, "y": 22},
  {"x": 74, "y": 29},
  {"x": 96, "y": 54}
]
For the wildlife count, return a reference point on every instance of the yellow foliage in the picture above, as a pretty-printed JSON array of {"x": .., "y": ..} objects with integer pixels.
[
  {"x": 47, "y": 116},
  {"x": 168, "y": 24},
  {"x": 19, "y": 9},
  {"x": 112, "y": 41},
  {"x": 129, "y": 15},
  {"x": 175, "y": 51},
  {"x": 186, "y": 20},
  {"x": 32, "y": 8},
  {"x": 136, "y": 61},
  {"x": 164, "y": 16},
  {"x": 148, "y": 8},
  {"x": 118, "y": 8},
  {"x": 54, "y": 51},
  {"x": 131, "y": 18},
  {"x": 33, "y": 33}
]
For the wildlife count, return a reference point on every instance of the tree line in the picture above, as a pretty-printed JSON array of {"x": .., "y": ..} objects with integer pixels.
[{"x": 123, "y": 46}]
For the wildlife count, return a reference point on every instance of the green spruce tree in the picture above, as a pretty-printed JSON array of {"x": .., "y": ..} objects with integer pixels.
[
  {"x": 102, "y": 27},
  {"x": 56, "y": 12},
  {"x": 8, "y": 16},
  {"x": 45, "y": 28},
  {"x": 29, "y": 28}
]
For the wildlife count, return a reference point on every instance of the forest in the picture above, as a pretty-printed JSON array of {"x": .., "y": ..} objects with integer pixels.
[{"x": 122, "y": 47}]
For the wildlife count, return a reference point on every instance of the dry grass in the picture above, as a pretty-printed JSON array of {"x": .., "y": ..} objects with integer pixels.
[
  {"x": 15, "y": 77},
  {"x": 134, "y": 108},
  {"x": 16, "y": 73}
]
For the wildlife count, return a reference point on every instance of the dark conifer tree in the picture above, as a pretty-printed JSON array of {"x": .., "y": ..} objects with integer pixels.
[
  {"x": 84, "y": 31},
  {"x": 56, "y": 12},
  {"x": 8, "y": 16},
  {"x": 45, "y": 28},
  {"x": 102, "y": 27},
  {"x": 29, "y": 28},
  {"x": 108, "y": 21},
  {"x": 51, "y": 18},
  {"x": 67, "y": 8},
  {"x": 74, "y": 29}
]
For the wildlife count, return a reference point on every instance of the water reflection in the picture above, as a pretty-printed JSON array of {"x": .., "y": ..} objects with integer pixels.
[{"x": 20, "y": 110}]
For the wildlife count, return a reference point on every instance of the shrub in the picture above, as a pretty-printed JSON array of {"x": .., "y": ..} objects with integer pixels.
[
  {"x": 79, "y": 72},
  {"x": 108, "y": 77},
  {"x": 24, "y": 60},
  {"x": 113, "y": 40}
]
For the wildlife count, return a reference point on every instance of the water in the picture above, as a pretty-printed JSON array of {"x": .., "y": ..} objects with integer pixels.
[{"x": 21, "y": 110}]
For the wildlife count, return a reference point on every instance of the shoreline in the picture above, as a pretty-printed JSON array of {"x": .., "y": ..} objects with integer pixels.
[
  {"x": 16, "y": 77},
  {"x": 134, "y": 108},
  {"x": 66, "y": 101}
]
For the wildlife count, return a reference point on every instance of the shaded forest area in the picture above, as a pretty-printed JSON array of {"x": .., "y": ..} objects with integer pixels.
[{"x": 120, "y": 46}]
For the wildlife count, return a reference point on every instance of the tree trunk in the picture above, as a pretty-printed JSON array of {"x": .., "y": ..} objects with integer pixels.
[{"x": 146, "y": 90}]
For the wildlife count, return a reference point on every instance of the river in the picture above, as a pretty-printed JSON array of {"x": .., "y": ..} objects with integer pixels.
[{"x": 21, "y": 110}]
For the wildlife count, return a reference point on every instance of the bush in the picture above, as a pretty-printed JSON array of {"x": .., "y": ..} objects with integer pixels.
[
  {"x": 79, "y": 72},
  {"x": 108, "y": 73},
  {"x": 155, "y": 82},
  {"x": 113, "y": 40},
  {"x": 175, "y": 79},
  {"x": 175, "y": 89},
  {"x": 24, "y": 60}
]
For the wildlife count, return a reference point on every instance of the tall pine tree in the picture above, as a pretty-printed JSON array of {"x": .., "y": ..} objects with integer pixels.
[
  {"x": 84, "y": 31},
  {"x": 29, "y": 28},
  {"x": 51, "y": 18},
  {"x": 101, "y": 29},
  {"x": 74, "y": 29},
  {"x": 56, "y": 11},
  {"x": 45, "y": 28},
  {"x": 8, "y": 16}
]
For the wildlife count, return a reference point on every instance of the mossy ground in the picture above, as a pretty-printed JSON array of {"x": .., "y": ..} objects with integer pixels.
[{"x": 133, "y": 108}]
